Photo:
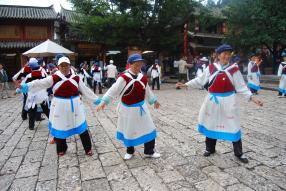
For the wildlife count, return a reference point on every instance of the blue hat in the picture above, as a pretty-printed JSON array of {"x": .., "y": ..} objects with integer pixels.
[
  {"x": 58, "y": 56},
  {"x": 236, "y": 59},
  {"x": 157, "y": 61},
  {"x": 223, "y": 48},
  {"x": 33, "y": 64},
  {"x": 51, "y": 66},
  {"x": 96, "y": 63},
  {"x": 134, "y": 58},
  {"x": 283, "y": 54}
]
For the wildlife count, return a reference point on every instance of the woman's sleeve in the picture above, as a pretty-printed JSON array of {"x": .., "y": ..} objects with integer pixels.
[
  {"x": 279, "y": 74},
  {"x": 114, "y": 91},
  {"x": 240, "y": 85},
  {"x": 199, "y": 81},
  {"x": 249, "y": 68},
  {"x": 149, "y": 96},
  {"x": 37, "y": 85},
  {"x": 86, "y": 92}
]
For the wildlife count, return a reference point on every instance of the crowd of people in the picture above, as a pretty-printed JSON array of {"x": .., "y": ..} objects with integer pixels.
[
  {"x": 188, "y": 70},
  {"x": 57, "y": 90}
]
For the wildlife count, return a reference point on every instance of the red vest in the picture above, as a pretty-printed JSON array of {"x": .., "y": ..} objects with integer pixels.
[
  {"x": 254, "y": 68},
  {"x": 154, "y": 67},
  {"x": 37, "y": 74},
  {"x": 27, "y": 70},
  {"x": 67, "y": 89},
  {"x": 96, "y": 69},
  {"x": 136, "y": 92},
  {"x": 221, "y": 82}
]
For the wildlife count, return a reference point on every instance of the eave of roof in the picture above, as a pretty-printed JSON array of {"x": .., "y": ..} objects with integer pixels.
[{"x": 27, "y": 12}]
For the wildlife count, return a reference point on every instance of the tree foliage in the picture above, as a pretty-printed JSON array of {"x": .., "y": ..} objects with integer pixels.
[
  {"x": 152, "y": 24},
  {"x": 253, "y": 23}
]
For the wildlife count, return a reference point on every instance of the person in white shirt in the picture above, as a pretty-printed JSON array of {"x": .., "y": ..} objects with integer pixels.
[
  {"x": 111, "y": 73},
  {"x": 183, "y": 69},
  {"x": 155, "y": 74},
  {"x": 282, "y": 75}
]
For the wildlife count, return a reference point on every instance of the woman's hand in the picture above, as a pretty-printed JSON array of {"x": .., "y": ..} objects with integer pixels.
[
  {"x": 17, "y": 84},
  {"x": 179, "y": 85},
  {"x": 100, "y": 107},
  {"x": 157, "y": 105}
]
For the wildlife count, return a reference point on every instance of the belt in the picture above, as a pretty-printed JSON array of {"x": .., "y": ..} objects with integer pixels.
[
  {"x": 139, "y": 104},
  {"x": 215, "y": 95}
]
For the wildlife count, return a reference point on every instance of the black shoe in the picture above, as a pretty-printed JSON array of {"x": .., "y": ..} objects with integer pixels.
[
  {"x": 208, "y": 153},
  {"x": 242, "y": 159},
  {"x": 24, "y": 118},
  {"x": 31, "y": 128},
  {"x": 40, "y": 119}
]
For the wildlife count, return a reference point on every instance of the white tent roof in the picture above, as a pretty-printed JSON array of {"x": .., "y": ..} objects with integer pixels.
[{"x": 47, "y": 48}]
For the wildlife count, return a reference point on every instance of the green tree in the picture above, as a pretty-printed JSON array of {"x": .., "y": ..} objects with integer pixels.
[
  {"x": 253, "y": 23},
  {"x": 154, "y": 24}
]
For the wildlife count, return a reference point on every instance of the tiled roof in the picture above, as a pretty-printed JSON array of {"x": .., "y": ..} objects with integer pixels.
[
  {"x": 18, "y": 44},
  {"x": 27, "y": 12},
  {"x": 70, "y": 16}
]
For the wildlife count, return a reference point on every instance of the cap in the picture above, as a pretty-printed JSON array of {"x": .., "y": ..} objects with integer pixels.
[
  {"x": 223, "y": 48},
  {"x": 204, "y": 59},
  {"x": 33, "y": 64},
  {"x": 51, "y": 66},
  {"x": 58, "y": 56},
  {"x": 134, "y": 58},
  {"x": 64, "y": 60}
]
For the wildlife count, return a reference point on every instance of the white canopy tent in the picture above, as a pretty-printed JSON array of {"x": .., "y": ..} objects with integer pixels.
[{"x": 48, "y": 49}]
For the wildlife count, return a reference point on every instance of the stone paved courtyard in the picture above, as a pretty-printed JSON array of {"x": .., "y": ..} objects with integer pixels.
[{"x": 29, "y": 162}]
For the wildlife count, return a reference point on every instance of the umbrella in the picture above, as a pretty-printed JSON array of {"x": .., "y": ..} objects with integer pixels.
[
  {"x": 112, "y": 52},
  {"x": 47, "y": 49}
]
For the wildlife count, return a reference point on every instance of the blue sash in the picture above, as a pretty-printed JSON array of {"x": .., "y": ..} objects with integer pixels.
[
  {"x": 139, "y": 104},
  {"x": 215, "y": 95}
]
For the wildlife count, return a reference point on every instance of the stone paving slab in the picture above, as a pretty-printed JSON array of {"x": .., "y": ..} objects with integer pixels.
[{"x": 29, "y": 162}]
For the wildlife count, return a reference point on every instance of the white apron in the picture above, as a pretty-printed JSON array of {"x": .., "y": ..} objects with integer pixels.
[
  {"x": 254, "y": 80},
  {"x": 282, "y": 83},
  {"x": 97, "y": 76},
  {"x": 219, "y": 115},
  {"x": 135, "y": 125},
  {"x": 35, "y": 98},
  {"x": 67, "y": 115}
]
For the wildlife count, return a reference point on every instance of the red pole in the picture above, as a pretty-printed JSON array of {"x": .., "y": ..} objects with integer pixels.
[{"x": 186, "y": 41}]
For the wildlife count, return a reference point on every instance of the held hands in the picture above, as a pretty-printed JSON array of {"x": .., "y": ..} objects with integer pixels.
[
  {"x": 157, "y": 105},
  {"x": 17, "y": 84},
  {"x": 100, "y": 107},
  {"x": 179, "y": 85},
  {"x": 257, "y": 102},
  {"x": 24, "y": 88}
]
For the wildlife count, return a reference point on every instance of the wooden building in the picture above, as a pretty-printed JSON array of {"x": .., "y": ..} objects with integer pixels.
[
  {"x": 86, "y": 48},
  {"x": 204, "y": 38},
  {"x": 22, "y": 28}
]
